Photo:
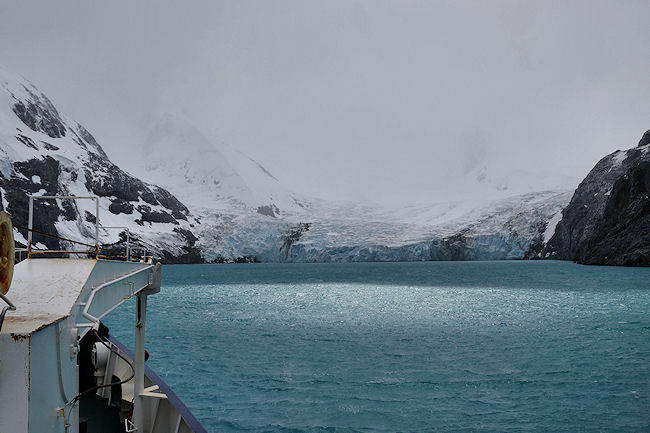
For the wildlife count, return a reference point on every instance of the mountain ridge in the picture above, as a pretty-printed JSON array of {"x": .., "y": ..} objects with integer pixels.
[
  {"x": 43, "y": 152},
  {"x": 231, "y": 208}
]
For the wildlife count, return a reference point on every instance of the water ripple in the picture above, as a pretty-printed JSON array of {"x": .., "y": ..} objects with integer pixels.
[{"x": 514, "y": 346}]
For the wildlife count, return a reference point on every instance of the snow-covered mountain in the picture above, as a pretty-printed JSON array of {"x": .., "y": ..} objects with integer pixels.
[
  {"x": 246, "y": 212},
  {"x": 232, "y": 207},
  {"x": 178, "y": 156},
  {"x": 43, "y": 152}
]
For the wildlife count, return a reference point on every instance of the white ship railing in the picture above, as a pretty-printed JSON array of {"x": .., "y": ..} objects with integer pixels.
[
  {"x": 31, "y": 231},
  {"x": 95, "y": 246},
  {"x": 94, "y": 321},
  {"x": 128, "y": 239}
]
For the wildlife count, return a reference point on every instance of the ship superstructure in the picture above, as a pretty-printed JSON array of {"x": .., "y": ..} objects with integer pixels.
[{"x": 60, "y": 370}]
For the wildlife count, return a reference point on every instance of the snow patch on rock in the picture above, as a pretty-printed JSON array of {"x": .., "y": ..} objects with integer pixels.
[{"x": 550, "y": 228}]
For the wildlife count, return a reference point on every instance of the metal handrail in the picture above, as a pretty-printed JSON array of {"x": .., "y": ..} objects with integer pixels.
[
  {"x": 10, "y": 307},
  {"x": 62, "y": 197},
  {"x": 143, "y": 249},
  {"x": 63, "y": 252},
  {"x": 128, "y": 240},
  {"x": 96, "y": 246},
  {"x": 95, "y": 320}
]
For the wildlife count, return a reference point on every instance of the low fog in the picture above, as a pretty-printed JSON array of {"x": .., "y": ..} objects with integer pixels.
[{"x": 388, "y": 101}]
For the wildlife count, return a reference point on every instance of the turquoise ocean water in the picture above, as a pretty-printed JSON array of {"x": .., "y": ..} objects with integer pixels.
[{"x": 411, "y": 347}]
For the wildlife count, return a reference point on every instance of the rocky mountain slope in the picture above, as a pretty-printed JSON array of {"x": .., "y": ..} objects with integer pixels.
[
  {"x": 42, "y": 152},
  {"x": 233, "y": 209},
  {"x": 608, "y": 219}
]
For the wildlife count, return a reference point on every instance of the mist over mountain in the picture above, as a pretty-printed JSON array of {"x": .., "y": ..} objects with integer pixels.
[
  {"x": 357, "y": 100},
  {"x": 177, "y": 154},
  {"x": 201, "y": 201},
  {"x": 246, "y": 212}
]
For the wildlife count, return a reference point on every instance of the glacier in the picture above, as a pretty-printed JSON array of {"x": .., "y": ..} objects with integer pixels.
[{"x": 190, "y": 199}]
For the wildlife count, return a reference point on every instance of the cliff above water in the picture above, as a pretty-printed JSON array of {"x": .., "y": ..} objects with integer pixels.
[{"x": 607, "y": 221}]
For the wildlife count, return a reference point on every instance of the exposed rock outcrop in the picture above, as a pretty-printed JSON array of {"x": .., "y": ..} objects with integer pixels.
[{"x": 607, "y": 221}]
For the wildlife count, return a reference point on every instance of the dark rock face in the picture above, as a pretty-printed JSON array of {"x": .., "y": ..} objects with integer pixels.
[
  {"x": 189, "y": 256},
  {"x": 152, "y": 216},
  {"x": 27, "y": 141},
  {"x": 645, "y": 139},
  {"x": 20, "y": 185},
  {"x": 87, "y": 138},
  {"x": 607, "y": 221},
  {"x": 39, "y": 114},
  {"x": 187, "y": 235},
  {"x": 90, "y": 217},
  {"x": 293, "y": 235},
  {"x": 105, "y": 179},
  {"x": 269, "y": 210},
  {"x": 119, "y": 206},
  {"x": 242, "y": 259},
  {"x": 49, "y": 146},
  {"x": 166, "y": 199}
]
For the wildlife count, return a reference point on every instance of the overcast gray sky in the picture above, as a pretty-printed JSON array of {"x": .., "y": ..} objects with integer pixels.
[{"x": 372, "y": 99}]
